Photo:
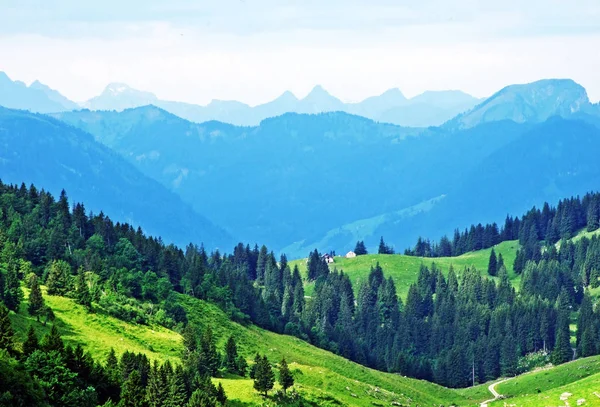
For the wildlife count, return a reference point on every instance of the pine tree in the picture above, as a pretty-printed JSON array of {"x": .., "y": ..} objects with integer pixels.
[
  {"x": 492, "y": 264},
  {"x": 241, "y": 365},
  {"x": 254, "y": 367},
  {"x": 360, "y": 249},
  {"x": 208, "y": 353},
  {"x": 286, "y": 379},
  {"x": 264, "y": 378},
  {"x": 6, "y": 331},
  {"x": 588, "y": 343},
  {"x": 31, "y": 344},
  {"x": 190, "y": 341},
  {"x": 562, "y": 348},
  {"x": 132, "y": 392},
  {"x": 36, "y": 300},
  {"x": 500, "y": 262},
  {"x": 177, "y": 390},
  {"x": 199, "y": 398},
  {"x": 82, "y": 291},
  {"x": 509, "y": 356},
  {"x": 221, "y": 396},
  {"x": 157, "y": 388},
  {"x": 53, "y": 341},
  {"x": 59, "y": 278},
  {"x": 12, "y": 290},
  {"x": 231, "y": 355}
]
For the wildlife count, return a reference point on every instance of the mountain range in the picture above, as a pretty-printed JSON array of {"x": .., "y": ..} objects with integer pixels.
[
  {"x": 54, "y": 156},
  {"x": 304, "y": 180},
  {"x": 300, "y": 181},
  {"x": 431, "y": 108}
]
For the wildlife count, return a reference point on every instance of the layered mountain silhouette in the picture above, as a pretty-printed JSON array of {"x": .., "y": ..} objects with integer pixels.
[
  {"x": 53, "y": 155},
  {"x": 428, "y": 109},
  {"x": 327, "y": 180}
]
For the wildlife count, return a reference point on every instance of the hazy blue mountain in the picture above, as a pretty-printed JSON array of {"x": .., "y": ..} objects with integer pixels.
[
  {"x": 532, "y": 102},
  {"x": 296, "y": 178},
  {"x": 52, "y": 155},
  {"x": 550, "y": 161},
  {"x": 428, "y": 109},
  {"x": 118, "y": 96},
  {"x": 36, "y": 97}
]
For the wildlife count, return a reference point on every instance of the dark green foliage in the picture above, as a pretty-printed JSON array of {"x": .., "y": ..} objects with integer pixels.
[
  {"x": 383, "y": 248},
  {"x": 562, "y": 351},
  {"x": 36, "y": 305},
  {"x": 82, "y": 291},
  {"x": 52, "y": 341},
  {"x": 6, "y": 331},
  {"x": 221, "y": 396},
  {"x": 59, "y": 278},
  {"x": 286, "y": 379},
  {"x": 199, "y": 398},
  {"x": 492, "y": 264},
  {"x": 264, "y": 378},
  {"x": 17, "y": 388},
  {"x": 132, "y": 393},
  {"x": 360, "y": 249},
  {"x": 31, "y": 344},
  {"x": 12, "y": 290},
  {"x": 231, "y": 356}
]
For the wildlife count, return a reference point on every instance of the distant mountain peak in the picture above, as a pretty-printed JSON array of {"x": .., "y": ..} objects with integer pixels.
[
  {"x": 317, "y": 91},
  {"x": 287, "y": 95}
]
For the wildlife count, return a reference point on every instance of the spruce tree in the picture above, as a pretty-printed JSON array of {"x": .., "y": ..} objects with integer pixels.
[
  {"x": 231, "y": 355},
  {"x": 286, "y": 379},
  {"x": 177, "y": 390},
  {"x": 132, "y": 392},
  {"x": 254, "y": 367},
  {"x": 6, "y": 332},
  {"x": 492, "y": 264},
  {"x": 588, "y": 343},
  {"x": 264, "y": 378},
  {"x": 59, "y": 278},
  {"x": 221, "y": 396},
  {"x": 31, "y": 344},
  {"x": 36, "y": 300},
  {"x": 12, "y": 290},
  {"x": 82, "y": 291},
  {"x": 360, "y": 249},
  {"x": 562, "y": 351},
  {"x": 200, "y": 398},
  {"x": 53, "y": 341}
]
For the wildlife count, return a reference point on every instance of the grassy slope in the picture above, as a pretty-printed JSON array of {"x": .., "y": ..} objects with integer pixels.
[
  {"x": 322, "y": 377},
  {"x": 581, "y": 378},
  {"x": 404, "y": 269}
]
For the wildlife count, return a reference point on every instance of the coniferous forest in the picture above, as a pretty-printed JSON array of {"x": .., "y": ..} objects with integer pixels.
[{"x": 455, "y": 328}]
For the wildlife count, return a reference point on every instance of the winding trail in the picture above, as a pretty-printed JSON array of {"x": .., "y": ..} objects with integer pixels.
[{"x": 492, "y": 389}]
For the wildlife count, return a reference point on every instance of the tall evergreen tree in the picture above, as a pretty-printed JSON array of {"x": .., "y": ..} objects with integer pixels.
[
  {"x": 82, "y": 291},
  {"x": 6, "y": 331},
  {"x": 36, "y": 300},
  {"x": 12, "y": 290},
  {"x": 286, "y": 379},
  {"x": 264, "y": 378},
  {"x": 59, "y": 278},
  {"x": 492, "y": 264},
  {"x": 231, "y": 355},
  {"x": 31, "y": 344},
  {"x": 133, "y": 393},
  {"x": 562, "y": 349},
  {"x": 360, "y": 249}
]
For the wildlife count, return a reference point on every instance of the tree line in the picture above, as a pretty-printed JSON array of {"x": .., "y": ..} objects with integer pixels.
[{"x": 453, "y": 328}]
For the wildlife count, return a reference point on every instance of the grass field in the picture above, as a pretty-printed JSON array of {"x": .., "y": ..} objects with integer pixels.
[
  {"x": 580, "y": 379},
  {"x": 404, "y": 269}
]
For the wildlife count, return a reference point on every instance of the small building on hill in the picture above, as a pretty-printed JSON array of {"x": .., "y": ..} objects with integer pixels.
[
  {"x": 328, "y": 258},
  {"x": 350, "y": 255}
]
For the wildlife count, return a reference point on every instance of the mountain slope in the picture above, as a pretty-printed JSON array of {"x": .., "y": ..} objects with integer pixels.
[
  {"x": 308, "y": 165},
  {"x": 532, "y": 102},
  {"x": 41, "y": 150},
  {"x": 36, "y": 97},
  {"x": 321, "y": 377}
]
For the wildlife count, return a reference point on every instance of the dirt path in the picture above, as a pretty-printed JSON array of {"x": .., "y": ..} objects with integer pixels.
[{"x": 492, "y": 389}]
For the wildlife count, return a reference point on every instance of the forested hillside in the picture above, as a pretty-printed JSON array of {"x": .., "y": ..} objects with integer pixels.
[
  {"x": 418, "y": 181},
  {"x": 452, "y": 330}
]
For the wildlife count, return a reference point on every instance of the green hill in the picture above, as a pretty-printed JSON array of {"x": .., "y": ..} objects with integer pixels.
[
  {"x": 404, "y": 269},
  {"x": 321, "y": 377}
]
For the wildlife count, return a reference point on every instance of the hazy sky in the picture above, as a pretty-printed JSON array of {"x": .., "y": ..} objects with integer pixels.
[{"x": 253, "y": 50}]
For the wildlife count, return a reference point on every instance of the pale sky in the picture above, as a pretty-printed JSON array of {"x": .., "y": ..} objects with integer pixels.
[{"x": 254, "y": 50}]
